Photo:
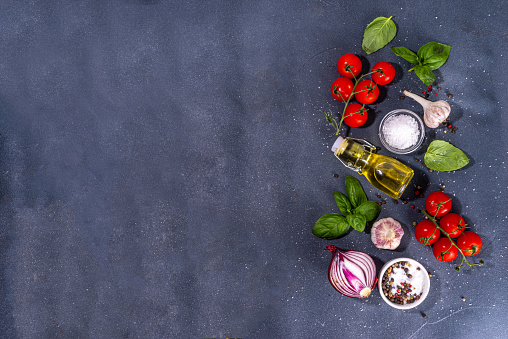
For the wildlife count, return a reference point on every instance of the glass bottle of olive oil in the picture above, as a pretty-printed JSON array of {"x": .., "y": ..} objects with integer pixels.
[{"x": 386, "y": 174}]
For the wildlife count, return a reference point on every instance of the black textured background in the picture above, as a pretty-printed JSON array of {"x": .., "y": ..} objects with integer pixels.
[{"x": 162, "y": 164}]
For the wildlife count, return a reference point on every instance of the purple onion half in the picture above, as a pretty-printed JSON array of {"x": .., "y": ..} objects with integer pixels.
[{"x": 351, "y": 273}]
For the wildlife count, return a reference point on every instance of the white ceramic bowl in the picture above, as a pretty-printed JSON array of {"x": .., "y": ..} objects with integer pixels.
[
  {"x": 425, "y": 282},
  {"x": 421, "y": 131}
]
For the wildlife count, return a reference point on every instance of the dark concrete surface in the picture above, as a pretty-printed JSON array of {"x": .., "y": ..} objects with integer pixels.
[{"x": 162, "y": 164}]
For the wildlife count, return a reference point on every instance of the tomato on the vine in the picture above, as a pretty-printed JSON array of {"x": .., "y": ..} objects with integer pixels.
[
  {"x": 366, "y": 92},
  {"x": 348, "y": 65},
  {"x": 453, "y": 224},
  {"x": 426, "y": 232},
  {"x": 383, "y": 74},
  {"x": 444, "y": 250},
  {"x": 470, "y": 243},
  {"x": 342, "y": 88},
  {"x": 355, "y": 115},
  {"x": 438, "y": 204}
]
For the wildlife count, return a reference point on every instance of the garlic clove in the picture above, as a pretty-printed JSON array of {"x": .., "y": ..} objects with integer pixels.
[{"x": 434, "y": 112}]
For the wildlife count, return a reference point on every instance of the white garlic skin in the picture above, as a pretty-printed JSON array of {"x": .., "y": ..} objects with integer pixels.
[{"x": 436, "y": 113}]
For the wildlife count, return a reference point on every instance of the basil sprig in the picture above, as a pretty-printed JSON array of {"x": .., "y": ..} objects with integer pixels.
[
  {"x": 357, "y": 211},
  {"x": 378, "y": 33},
  {"x": 430, "y": 57},
  {"x": 443, "y": 156}
]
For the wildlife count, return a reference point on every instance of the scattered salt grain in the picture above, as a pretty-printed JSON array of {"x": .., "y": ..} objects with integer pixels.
[{"x": 401, "y": 131}]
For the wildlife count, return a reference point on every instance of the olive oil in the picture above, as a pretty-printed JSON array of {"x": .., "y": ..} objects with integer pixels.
[{"x": 386, "y": 173}]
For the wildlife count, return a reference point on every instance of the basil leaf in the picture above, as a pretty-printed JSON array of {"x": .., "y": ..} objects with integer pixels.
[
  {"x": 434, "y": 54},
  {"x": 407, "y": 54},
  {"x": 443, "y": 156},
  {"x": 330, "y": 226},
  {"x": 425, "y": 74},
  {"x": 357, "y": 221},
  {"x": 343, "y": 202},
  {"x": 378, "y": 33},
  {"x": 369, "y": 209},
  {"x": 355, "y": 192}
]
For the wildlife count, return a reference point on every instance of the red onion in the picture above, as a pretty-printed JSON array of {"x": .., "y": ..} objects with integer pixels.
[{"x": 352, "y": 273}]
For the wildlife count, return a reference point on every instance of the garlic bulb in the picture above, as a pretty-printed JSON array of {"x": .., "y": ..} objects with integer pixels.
[{"x": 434, "y": 112}]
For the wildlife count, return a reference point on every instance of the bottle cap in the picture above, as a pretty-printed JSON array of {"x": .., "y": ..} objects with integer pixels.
[{"x": 336, "y": 145}]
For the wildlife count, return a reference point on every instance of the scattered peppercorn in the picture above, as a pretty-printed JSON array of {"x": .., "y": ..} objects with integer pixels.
[
  {"x": 404, "y": 201},
  {"x": 426, "y": 95},
  {"x": 416, "y": 159},
  {"x": 379, "y": 196},
  {"x": 335, "y": 175},
  {"x": 395, "y": 201},
  {"x": 418, "y": 210},
  {"x": 384, "y": 201},
  {"x": 430, "y": 275},
  {"x": 424, "y": 315},
  {"x": 415, "y": 223},
  {"x": 450, "y": 95},
  {"x": 402, "y": 97},
  {"x": 439, "y": 88}
]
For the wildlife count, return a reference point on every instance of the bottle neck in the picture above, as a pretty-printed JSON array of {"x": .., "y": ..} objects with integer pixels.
[{"x": 353, "y": 155}]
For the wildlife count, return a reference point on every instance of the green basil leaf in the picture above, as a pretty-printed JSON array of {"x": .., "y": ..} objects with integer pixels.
[
  {"x": 425, "y": 74},
  {"x": 406, "y": 54},
  {"x": 355, "y": 192},
  {"x": 330, "y": 226},
  {"x": 443, "y": 156},
  {"x": 343, "y": 202},
  {"x": 369, "y": 209},
  {"x": 357, "y": 221},
  {"x": 434, "y": 54},
  {"x": 378, "y": 33}
]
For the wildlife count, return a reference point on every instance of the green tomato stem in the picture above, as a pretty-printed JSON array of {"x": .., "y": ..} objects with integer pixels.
[{"x": 348, "y": 99}]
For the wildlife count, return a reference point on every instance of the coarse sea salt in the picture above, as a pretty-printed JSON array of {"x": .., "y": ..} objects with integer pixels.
[{"x": 401, "y": 131}]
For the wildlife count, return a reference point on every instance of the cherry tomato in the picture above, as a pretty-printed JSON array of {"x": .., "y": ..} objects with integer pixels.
[
  {"x": 444, "y": 250},
  {"x": 470, "y": 243},
  {"x": 438, "y": 204},
  {"x": 453, "y": 224},
  {"x": 355, "y": 115},
  {"x": 427, "y": 233},
  {"x": 349, "y": 63},
  {"x": 366, "y": 92},
  {"x": 342, "y": 88},
  {"x": 384, "y": 73}
]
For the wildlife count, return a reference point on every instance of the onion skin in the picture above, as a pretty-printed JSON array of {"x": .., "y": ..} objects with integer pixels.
[{"x": 351, "y": 273}]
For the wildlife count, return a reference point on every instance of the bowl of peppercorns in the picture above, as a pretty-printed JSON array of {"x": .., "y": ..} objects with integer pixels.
[{"x": 403, "y": 283}]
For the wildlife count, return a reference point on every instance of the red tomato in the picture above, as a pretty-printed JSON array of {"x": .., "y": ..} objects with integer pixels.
[
  {"x": 349, "y": 63},
  {"x": 384, "y": 73},
  {"x": 470, "y": 243},
  {"x": 444, "y": 250},
  {"x": 355, "y": 115},
  {"x": 342, "y": 88},
  {"x": 427, "y": 233},
  {"x": 453, "y": 224},
  {"x": 438, "y": 204},
  {"x": 366, "y": 92}
]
